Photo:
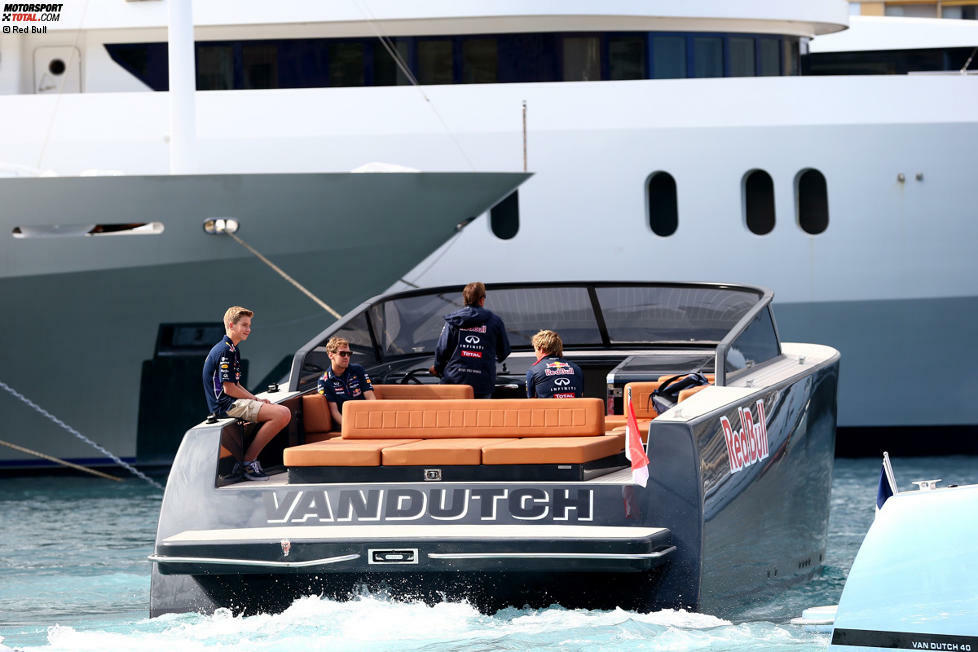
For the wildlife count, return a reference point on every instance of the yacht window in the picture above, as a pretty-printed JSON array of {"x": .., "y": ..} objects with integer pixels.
[
  {"x": 387, "y": 72},
  {"x": 668, "y": 57},
  {"x": 741, "y": 57},
  {"x": 758, "y": 343},
  {"x": 812, "y": 202},
  {"x": 145, "y": 61},
  {"x": 480, "y": 61},
  {"x": 435, "y": 62},
  {"x": 582, "y": 58},
  {"x": 504, "y": 218},
  {"x": 707, "y": 56},
  {"x": 345, "y": 63},
  {"x": 759, "y": 202},
  {"x": 80, "y": 230},
  {"x": 663, "y": 213},
  {"x": 791, "y": 56},
  {"x": 528, "y": 58},
  {"x": 626, "y": 57},
  {"x": 260, "y": 64},
  {"x": 215, "y": 67},
  {"x": 920, "y": 10},
  {"x": 769, "y": 58}
]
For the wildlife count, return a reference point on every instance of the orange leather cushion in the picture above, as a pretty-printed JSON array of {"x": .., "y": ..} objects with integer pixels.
[
  {"x": 530, "y": 417},
  {"x": 340, "y": 452},
  {"x": 553, "y": 450},
  {"x": 438, "y": 451},
  {"x": 422, "y": 392},
  {"x": 686, "y": 393},
  {"x": 315, "y": 414},
  {"x": 641, "y": 398},
  {"x": 643, "y": 429}
]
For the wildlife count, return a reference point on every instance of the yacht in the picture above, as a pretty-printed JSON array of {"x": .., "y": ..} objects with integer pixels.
[
  {"x": 432, "y": 494},
  {"x": 679, "y": 141}
]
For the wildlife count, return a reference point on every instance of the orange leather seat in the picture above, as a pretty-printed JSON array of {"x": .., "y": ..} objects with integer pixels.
[
  {"x": 340, "y": 452},
  {"x": 443, "y": 452},
  {"x": 553, "y": 450},
  {"x": 531, "y": 417},
  {"x": 315, "y": 416},
  {"x": 643, "y": 429},
  {"x": 686, "y": 393},
  {"x": 422, "y": 392}
]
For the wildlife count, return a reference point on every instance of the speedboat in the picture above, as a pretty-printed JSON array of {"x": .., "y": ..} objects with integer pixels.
[
  {"x": 430, "y": 494},
  {"x": 912, "y": 583}
]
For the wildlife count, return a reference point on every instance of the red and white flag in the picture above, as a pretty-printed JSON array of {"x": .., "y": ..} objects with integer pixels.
[{"x": 634, "y": 450}]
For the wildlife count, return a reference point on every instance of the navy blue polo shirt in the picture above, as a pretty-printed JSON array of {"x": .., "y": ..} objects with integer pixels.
[
  {"x": 553, "y": 377},
  {"x": 223, "y": 365},
  {"x": 349, "y": 386}
]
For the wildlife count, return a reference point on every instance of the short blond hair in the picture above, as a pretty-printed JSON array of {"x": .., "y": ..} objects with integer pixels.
[
  {"x": 334, "y": 344},
  {"x": 234, "y": 314},
  {"x": 548, "y": 342},
  {"x": 473, "y": 293}
]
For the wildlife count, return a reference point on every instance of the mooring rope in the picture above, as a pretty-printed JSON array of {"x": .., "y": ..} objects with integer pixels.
[
  {"x": 322, "y": 304},
  {"x": 136, "y": 472}
]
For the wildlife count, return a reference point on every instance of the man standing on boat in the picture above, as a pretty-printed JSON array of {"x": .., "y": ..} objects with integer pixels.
[
  {"x": 227, "y": 398},
  {"x": 551, "y": 376},
  {"x": 343, "y": 381},
  {"x": 472, "y": 340}
]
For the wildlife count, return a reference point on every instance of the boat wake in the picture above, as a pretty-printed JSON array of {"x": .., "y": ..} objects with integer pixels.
[{"x": 375, "y": 622}]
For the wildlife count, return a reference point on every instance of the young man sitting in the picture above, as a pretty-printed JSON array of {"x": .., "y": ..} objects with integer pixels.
[
  {"x": 551, "y": 376},
  {"x": 343, "y": 381},
  {"x": 227, "y": 398}
]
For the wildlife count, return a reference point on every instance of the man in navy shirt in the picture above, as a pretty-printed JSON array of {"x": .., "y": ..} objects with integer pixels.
[
  {"x": 471, "y": 342},
  {"x": 343, "y": 381},
  {"x": 227, "y": 398},
  {"x": 551, "y": 376}
]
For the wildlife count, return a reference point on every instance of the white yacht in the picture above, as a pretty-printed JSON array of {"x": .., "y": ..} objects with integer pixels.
[{"x": 671, "y": 141}]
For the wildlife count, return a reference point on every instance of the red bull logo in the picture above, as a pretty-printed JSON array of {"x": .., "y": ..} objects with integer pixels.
[{"x": 749, "y": 445}]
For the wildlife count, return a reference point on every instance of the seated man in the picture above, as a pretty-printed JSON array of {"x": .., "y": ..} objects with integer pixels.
[
  {"x": 551, "y": 376},
  {"x": 227, "y": 398},
  {"x": 343, "y": 381},
  {"x": 472, "y": 340}
]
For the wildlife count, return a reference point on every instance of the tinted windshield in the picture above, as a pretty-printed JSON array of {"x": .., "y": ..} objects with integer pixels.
[{"x": 630, "y": 314}]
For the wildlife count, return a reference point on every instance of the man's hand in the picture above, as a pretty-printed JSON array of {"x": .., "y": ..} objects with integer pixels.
[{"x": 431, "y": 370}]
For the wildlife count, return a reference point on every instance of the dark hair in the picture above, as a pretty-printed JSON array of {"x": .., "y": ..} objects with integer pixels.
[{"x": 474, "y": 293}]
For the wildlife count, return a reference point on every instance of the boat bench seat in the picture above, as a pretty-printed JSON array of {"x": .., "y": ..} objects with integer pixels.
[
  {"x": 468, "y": 418},
  {"x": 454, "y": 452},
  {"x": 642, "y": 403},
  {"x": 317, "y": 423}
]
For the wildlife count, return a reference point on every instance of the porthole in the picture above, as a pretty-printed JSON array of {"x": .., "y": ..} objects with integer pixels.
[
  {"x": 663, "y": 211},
  {"x": 812, "y": 201},
  {"x": 504, "y": 217},
  {"x": 759, "y": 202}
]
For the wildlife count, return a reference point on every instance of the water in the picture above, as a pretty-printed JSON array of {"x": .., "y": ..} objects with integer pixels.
[{"x": 74, "y": 576}]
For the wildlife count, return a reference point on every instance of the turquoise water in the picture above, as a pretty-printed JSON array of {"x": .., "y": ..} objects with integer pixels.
[{"x": 74, "y": 576}]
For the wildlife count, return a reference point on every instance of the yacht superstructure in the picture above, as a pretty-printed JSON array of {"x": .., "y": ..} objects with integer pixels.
[{"x": 678, "y": 142}]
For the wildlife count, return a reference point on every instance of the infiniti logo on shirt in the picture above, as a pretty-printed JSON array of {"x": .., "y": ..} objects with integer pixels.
[
  {"x": 472, "y": 339},
  {"x": 562, "y": 381}
]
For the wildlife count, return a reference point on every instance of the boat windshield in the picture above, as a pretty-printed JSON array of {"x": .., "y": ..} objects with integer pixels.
[{"x": 584, "y": 315}]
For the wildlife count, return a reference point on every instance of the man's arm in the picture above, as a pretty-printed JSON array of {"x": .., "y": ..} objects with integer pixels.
[
  {"x": 369, "y": 395},
  {"x": 531, "y": 387},
  {"x": 234, "y": 390},
  {"x": 447, "y": 342},
  {"x": 334, "y": 411},
  {"x": 502, "y": 341}
]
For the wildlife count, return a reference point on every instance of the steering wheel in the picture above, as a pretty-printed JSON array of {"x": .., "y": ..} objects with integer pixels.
[{"x": 412, "y": 376}]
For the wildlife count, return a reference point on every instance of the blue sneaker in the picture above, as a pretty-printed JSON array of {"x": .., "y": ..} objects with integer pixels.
[{"x": 253, "y": 471}]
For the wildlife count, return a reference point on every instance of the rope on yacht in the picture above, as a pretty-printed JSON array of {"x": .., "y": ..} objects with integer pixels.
[
  {"x": 136, "y": 472},
  {"x": 322, "y": 304}
]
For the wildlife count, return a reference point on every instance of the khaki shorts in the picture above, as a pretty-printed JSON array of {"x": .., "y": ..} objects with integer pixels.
[{"x": 245, "y": 408}]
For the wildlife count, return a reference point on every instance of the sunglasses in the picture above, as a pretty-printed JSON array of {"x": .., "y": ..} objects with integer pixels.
[{"x": 345, "y": 354}]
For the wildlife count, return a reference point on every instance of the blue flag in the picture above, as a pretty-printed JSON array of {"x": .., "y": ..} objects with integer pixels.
[{"x": 887, "y": 485}]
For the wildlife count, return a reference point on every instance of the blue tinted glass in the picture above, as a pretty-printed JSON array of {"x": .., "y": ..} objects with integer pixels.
[
  {"x": 770, "y": 59},
  {"x": 757, "y": 344},
  {"x": 741, "y": 57},
  {"x": 707, "y": 56},
  {"x": 626, "y": 57},
  {"x": 669, "y": 57}
]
